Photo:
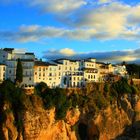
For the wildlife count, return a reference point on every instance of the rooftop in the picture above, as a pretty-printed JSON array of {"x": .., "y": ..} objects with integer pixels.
[
  {"x": 41, "y": 63},
  {"x": 2, "y": 64},
  {"x": 8, "y": 49}
]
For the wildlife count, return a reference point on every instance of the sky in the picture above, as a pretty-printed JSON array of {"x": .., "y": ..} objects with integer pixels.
[{"x": 108, "y": 30}]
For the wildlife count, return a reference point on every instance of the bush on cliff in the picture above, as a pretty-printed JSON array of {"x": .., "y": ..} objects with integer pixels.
[
  {"x": 121, "y": 87},
  {"x": 55, "y": 98},
  {"x": 9, "y": 92}
]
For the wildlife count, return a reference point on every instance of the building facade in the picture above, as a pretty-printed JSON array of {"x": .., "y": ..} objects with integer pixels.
[
  {"x": 64, "y": 73},
  {"x": 9, "y": 57},
  {"x": 2, "y": 72}
]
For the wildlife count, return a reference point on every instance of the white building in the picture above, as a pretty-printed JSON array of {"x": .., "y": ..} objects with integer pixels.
[
  {"x": 9, "y": 56},
  {"x": 120, "y": 70},
  {"x": 64, "y": 73},
  {"x": 2, "y": 72},
  {"x": 28, "y": 71},
  {"x": 46, "y": 72},
  {"x": 68, "y": 73}
]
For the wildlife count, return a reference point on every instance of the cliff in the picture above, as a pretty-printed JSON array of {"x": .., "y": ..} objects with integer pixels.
[
  {"x": 90, "y": 115},
  {"x": 111, "y": 122},
  {"x": 36, "y": 123}
]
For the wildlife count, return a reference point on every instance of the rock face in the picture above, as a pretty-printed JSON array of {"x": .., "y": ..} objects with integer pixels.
[
  {"x": 114, "y": 123},
  {"x": 109, "y": 123},
  {"x": 39, "y": 124},
  {"x": 36, "y": 123},
  {"x": 9, "y": 130}
]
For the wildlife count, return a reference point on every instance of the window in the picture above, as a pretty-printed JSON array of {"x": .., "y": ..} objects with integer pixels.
[
  {"x": 94, "y": 77},
  {"x": 74, "y": 84},
  {"x": 43, "y": 69},
  {"x": 77, "y": 84},
  {"x": 50, "y": 74},
  {"x": 10, "y": 71},
  {"x": 39, "y": 68},
  {"x": 30, "y": 78},
  {"x": 88, "y": 76}
]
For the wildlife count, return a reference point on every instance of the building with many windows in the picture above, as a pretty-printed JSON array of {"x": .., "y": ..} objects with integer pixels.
[
  {"x": 64, "y": 73},
  {"x": 46, "y": 72},
  {"x": 9, "y": 57}
]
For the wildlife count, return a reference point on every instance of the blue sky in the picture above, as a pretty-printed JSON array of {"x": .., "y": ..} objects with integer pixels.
[{"x": 106, "y": 29}]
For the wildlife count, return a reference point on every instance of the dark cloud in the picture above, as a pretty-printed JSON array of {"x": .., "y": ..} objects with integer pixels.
[{"x": 111, "y": 56}]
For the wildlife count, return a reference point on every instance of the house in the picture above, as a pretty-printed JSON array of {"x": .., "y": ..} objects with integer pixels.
[
  {"x": 63, "y": 73},
  {"x": 104, "y": 70},
  {"x": 9, "y": 57}
]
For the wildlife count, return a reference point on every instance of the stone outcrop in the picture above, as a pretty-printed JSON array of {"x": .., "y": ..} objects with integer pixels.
[
  {"x": 36, "y": 123},
  {"x": 40, "y": 124},
  {"x": 111, "y": 123}
]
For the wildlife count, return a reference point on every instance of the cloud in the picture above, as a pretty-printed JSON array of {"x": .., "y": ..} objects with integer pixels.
[
  {"x": 104, "y": 1},
  {"x": 35, "y": 33},
  {"x": 109, "y": 56},
  {"x": 58, "y": 6},
  {"x": 31, "y": 33},
  {"x": 67, "y": 52},
  {"x": 81, "y": 20}
]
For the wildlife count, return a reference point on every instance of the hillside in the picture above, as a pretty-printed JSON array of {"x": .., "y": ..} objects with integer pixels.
[{"x": 99, "y": 111}]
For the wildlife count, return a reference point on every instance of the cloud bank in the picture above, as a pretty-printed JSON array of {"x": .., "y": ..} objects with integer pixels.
[
  {"x": 108, "y": 56},
  {"x": 81, "y": 20}
]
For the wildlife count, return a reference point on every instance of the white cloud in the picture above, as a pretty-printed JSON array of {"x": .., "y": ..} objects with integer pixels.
[
  {"x": 82, "y": 20},
  {"x": 104, "y": 1},
  {"x": 58, "y": 6},
  {"x": 67, "y": 52},
  {"x": 35, "y": 33}
]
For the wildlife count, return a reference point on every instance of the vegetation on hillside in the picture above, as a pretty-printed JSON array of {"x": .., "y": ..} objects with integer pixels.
[
  {"x": 133, "y": 70},
  {"x": 92, "y": 99}
]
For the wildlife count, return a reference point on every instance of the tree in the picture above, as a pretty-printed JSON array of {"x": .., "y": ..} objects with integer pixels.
[
  {"x": 19, "y": 72},
  {"x": 133, "y": 70}
]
